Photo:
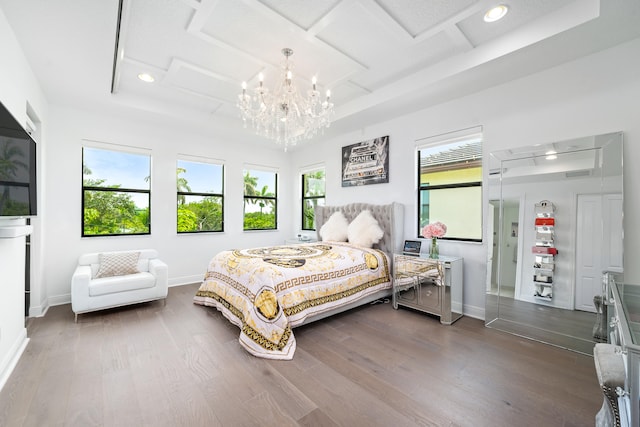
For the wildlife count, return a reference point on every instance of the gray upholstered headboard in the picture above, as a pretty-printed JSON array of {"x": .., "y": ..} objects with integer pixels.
[{"x": 390, "y": 217}]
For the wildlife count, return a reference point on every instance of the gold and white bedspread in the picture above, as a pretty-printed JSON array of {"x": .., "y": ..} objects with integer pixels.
[{"x": 267, "y": 291}]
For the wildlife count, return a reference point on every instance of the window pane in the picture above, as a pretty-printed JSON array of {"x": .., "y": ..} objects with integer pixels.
[
  {"x": 260, "y": 201},
  {"x": 313, "y": 192},
  {"x": 313, "y": 184},
  {"x": 259, "y": 214},
  {"x": 457, "y": 176},
  {"x": 259, "y": 183},
  {"x": 115, "y": 169},
  {"x": 199, "y": 213},
  {"x": 203, "y": 211},
  {"x": 115, "y": 212},
  {"x": 308, "y": 216},
  {"x": 450, "y": 179},
  {"x": 199, "y": 177},
  {"x": 459, "y": 208}
]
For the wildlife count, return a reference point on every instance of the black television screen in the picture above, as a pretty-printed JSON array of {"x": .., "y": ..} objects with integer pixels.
[{"x": 17, "y": 168}]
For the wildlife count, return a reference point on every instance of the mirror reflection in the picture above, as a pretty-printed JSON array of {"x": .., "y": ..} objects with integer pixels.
[{"x": 555, "y": 224}]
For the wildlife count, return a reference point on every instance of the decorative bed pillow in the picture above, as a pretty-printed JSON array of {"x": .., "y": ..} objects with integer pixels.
[
  {"x": 364, "y": 230},
  {"x": 335, "y": 229},
  {"x": 118, "y": 264}
]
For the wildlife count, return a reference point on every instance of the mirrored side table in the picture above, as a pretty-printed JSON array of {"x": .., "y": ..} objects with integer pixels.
[{"x": 429, "y": 285}]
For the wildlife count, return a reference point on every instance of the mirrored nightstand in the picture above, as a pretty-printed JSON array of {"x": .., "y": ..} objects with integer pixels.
[{"x": 432, "y": 286}]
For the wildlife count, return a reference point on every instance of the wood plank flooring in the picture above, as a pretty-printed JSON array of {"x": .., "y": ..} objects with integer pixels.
[{"x": 180, "y": 364}]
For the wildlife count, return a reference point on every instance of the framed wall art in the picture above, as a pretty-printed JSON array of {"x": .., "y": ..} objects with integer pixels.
[{"x": 366, "y": 162}]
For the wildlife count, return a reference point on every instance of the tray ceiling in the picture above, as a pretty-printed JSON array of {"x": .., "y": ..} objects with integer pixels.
[{"x": 369, "y": 53}]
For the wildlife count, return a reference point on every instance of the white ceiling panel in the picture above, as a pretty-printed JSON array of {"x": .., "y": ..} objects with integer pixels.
[
  {"x": 520, "y": 13},
  {"x": 133, "y": 88},
  {"x": 417, "y": 16},
  {"x": 375, "y": 45},
  {"x": 199, "y": 81},
  {"x": 155, "y": 31},
  {"x": 262, "y": 34},
  {"x": 414, "y": 57},
  {"x": 358, "y": 33},
  {"x": 346, "y": 91},
  {"x": 303, "y": 13}
]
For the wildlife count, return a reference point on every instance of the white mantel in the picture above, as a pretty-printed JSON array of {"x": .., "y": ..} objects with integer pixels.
[{"x": 13, "y": 231}]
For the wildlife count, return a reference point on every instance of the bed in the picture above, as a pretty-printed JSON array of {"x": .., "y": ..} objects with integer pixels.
[{"x": 268, "y": 291}]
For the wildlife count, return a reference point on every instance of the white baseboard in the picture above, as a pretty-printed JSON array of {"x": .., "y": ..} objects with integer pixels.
[
  {"x": 11, "y": 360},
  {"x": 473, "y": 311},
  {"x": 186, "y": 280},
  {"x": 39, "y": 310},
  {"x": 59, "y": 300}
]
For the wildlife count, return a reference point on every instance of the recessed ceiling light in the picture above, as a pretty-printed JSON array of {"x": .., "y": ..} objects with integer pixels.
[
  {"x": 496, "y": 13},
  {"x": 145, "y": 77},
  {"x": 551, "y": 155}
]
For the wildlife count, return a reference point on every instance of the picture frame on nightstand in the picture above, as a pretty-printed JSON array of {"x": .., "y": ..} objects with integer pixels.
[{"x": 412, "y": 247}]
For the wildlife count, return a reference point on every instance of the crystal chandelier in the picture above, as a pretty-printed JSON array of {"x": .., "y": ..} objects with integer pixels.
[{"x": 285, "y": 115}]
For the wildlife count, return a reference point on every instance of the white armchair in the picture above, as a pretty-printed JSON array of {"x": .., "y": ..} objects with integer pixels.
[{"x": 113, "y": 279}]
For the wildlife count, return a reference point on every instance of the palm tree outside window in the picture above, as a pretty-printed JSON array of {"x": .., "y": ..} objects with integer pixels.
[
  {"x": 313, "y": 194},
  {"x": 260, "y": 199},
  {"x": 116, "y": 191},
  {"x": 200, "y": 197}
]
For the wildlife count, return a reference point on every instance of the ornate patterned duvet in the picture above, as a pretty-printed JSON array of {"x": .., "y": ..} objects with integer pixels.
[{"x": 267, "y": 291}]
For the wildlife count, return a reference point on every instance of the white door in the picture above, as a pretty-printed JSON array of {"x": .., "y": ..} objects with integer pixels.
[{"x": 588, "y": 251}]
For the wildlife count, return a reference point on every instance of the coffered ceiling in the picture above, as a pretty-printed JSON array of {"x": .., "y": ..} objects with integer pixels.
[{"x": 379, "y": 58}]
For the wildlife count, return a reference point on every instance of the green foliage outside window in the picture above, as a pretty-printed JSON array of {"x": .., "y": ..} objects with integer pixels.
[
  {"x": 112, "y": 209},
  {"x": 260, "y": 202},
  {"x": 313, "y": 194},
  {"x": 110, "y": 212},
  {"x": 200, "y": 208}
]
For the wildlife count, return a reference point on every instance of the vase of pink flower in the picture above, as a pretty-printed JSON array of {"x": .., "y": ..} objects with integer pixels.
[{"x": 433, "y": 231}]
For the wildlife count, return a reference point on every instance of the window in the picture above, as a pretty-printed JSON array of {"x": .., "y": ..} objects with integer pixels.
[
  {"x": 450, "y": 184},
  {"x": 313, "y": 194},
  {"x": 260, "y": 199},
  {"x": 116, "y": 192},
  {"x": 199, "y": 186}
]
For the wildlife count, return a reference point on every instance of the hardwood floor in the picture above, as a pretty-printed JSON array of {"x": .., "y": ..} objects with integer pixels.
[
  {"x": 181, "y": 365},
  {"x": 572, "y": 329}
]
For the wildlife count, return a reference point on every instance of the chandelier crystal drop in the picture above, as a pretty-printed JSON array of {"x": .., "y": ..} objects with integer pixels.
[{"x": 285, "y": 115}]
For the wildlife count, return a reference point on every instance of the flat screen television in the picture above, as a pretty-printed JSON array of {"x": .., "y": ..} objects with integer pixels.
[{"x": 18, "y": 196}]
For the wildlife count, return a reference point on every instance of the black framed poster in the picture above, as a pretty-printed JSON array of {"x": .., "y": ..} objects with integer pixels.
[{"x": 366, "y": 162}]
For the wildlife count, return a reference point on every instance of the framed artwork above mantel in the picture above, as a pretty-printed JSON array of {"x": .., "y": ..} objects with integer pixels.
[{"x": 366, "y": 162}]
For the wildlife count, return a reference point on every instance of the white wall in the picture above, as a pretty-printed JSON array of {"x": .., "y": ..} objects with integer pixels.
[
  {"x": 187, "y": 255},
  {"x": 593, "y": 95},
  {"x": 18, "y": 89}
]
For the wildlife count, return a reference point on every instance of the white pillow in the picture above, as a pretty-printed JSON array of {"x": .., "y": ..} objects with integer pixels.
[
  {"x": 335, "y": 229},
  {"x": 117, "y": 264},
  {"x": 364, "y": 230}
]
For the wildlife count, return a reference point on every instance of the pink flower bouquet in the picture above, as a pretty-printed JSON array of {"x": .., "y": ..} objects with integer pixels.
[{"x": 433, "y": 230}]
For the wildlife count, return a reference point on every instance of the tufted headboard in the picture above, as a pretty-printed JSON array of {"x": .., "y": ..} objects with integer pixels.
[{"x": 390, "y": 217}]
